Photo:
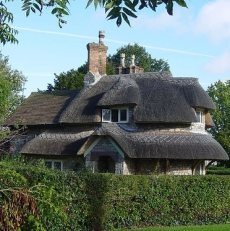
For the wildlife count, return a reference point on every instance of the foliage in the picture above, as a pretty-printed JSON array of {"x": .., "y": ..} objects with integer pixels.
[
  {"x": 7, "y": 33},
  {"x": 118, "y": 10},
  {"x": 67, "y": 201},
  {"x": 219, "y": 227},
  {"x": 142, "y": 58},
  {"x": 69, "y": 80},
  {"x": 220, "y": 94},
  {"x": 218, "y": 170},
  {"x": 11, "y": 86}
]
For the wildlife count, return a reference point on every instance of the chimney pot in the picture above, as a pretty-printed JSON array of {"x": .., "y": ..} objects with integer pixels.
[
  {"x": 133, "y": 60},
  {"x": 101, "y": 37},
  {"x": 122, "y": 59}
]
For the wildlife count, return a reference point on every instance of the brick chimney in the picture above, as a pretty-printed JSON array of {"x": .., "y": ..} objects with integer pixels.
[
  {"x": 122, "y": 69},
  {"x": 97, "y": 56}
]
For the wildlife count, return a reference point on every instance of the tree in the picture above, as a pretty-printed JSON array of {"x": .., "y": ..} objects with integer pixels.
[
  {"x": 69, "y": 80},
  {"x": 220, "y": 94},
  {"x": 73, "y": 79},
  {"x": 118, "y": 10},
  {"x": 142, "y": 59},
  {"x": 11, "y": 86}
]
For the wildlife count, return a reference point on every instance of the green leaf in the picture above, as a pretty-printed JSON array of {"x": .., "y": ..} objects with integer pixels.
[
  {"x": 114, "y": 12},
  {"x": 143, "y": 4},
  {"x": 37, "y": 7},
  {"x": 124, "y": 16},
  {"x": 153, "y": 4},
  {"x": 89, "y": 3},
  {"x": 169, "y": 7},
  {"x": 27, "y": 12},
  {"x": 55, "y": 10},
  {"x": 119, "y": 20},
  {"x": 129, "y": 12},
  {"x": 181, "y": 3},
  {"x": 130, "y": 5},
  {"x": 109, "y": 5},
  {"x": 33, "y": 9},
  {"x": 135, "y": 2}
]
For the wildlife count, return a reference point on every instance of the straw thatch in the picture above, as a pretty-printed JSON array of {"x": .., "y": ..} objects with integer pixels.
[
  {"x": 42, "y": 108},
  {"x": 152, "y": 143},
  {"x": 155, "y": 97},
  {"x": 56, "y": 143}
]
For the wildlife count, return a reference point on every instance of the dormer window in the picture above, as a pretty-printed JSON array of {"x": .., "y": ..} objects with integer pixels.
[
  {"x": 199, "y": 116},
  {"x": 115, "y": 115}
]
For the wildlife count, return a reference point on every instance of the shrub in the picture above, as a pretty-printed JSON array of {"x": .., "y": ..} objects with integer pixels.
[
  {"x": 67, "y": 201},
  {"x": 218, "y": 171}
]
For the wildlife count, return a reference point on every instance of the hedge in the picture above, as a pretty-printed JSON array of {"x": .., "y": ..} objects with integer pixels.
[
  {"x": 218, "y": 171},
  {"x": 69, "y": 201}
]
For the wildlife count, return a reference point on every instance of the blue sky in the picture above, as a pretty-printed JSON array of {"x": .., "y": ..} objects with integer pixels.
[{"x": 195, "y": 41}]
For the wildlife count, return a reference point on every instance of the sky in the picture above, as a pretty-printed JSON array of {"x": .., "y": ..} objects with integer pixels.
[{"x": 195, "y": 41}]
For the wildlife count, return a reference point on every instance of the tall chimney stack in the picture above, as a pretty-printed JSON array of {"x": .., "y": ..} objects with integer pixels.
[{"x": 97, "y": 54}]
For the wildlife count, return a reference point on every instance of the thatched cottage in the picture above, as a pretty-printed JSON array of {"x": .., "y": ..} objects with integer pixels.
[{"x": 129, "y": 123}]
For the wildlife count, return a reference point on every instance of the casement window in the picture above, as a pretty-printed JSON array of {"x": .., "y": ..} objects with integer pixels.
[
  {"x": 116, "y": 115},
  {"x": 199, "y": 116},
  {"x": 54, "y": 164}
]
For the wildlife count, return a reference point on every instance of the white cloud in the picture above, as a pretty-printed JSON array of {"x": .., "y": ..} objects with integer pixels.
[
  {"x": 220, "y": 64},
  {"x": 214, "y": 20}
]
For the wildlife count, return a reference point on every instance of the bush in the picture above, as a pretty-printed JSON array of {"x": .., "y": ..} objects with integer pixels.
[
  {"x": 214, "y": 170},
  {"x": 67, "y": 201}
]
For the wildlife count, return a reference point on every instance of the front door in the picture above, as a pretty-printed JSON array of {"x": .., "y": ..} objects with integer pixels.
[{"x": 106, "y": 164}]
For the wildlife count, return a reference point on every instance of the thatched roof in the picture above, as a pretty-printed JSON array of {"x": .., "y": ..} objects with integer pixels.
[
  {"x": 155, "y": 97},
  {"x": 151, "y": 143},
  {"x": 56, "y": 142},
  {"x": 42, "y": 108}
]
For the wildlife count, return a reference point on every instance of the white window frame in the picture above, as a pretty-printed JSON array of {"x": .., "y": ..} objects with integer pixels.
[
  {"x": 102, "y": 113},
  {"x": 199, "y": 116},
  {"x": 119, "y": 115},
  {"x": 52, "y": 164}
]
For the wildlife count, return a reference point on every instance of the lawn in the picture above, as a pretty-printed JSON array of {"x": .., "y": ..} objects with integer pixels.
[{"x": 224, "y": 227}]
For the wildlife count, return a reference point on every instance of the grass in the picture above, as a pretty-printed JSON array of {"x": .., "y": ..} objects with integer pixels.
[{"x": 222, "y": 227}]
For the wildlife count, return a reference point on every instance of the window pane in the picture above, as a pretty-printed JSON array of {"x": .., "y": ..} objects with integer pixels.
[
  {"x": 106, "y": 115},
  {"x": 57, "y": 165},
  {"x": 48, "y": 164},
  {"x": 114, "y": 115},
  {"x": 199, "y": 116},
  {"x": 123, "y": 115}
]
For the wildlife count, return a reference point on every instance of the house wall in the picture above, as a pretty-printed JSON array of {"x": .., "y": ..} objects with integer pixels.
[
  {"x": 159, "y": 166},
  {"x": 180, "y": 167}
]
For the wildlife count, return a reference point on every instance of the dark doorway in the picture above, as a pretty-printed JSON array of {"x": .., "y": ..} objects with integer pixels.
[{"x": 106, "y": 164}]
